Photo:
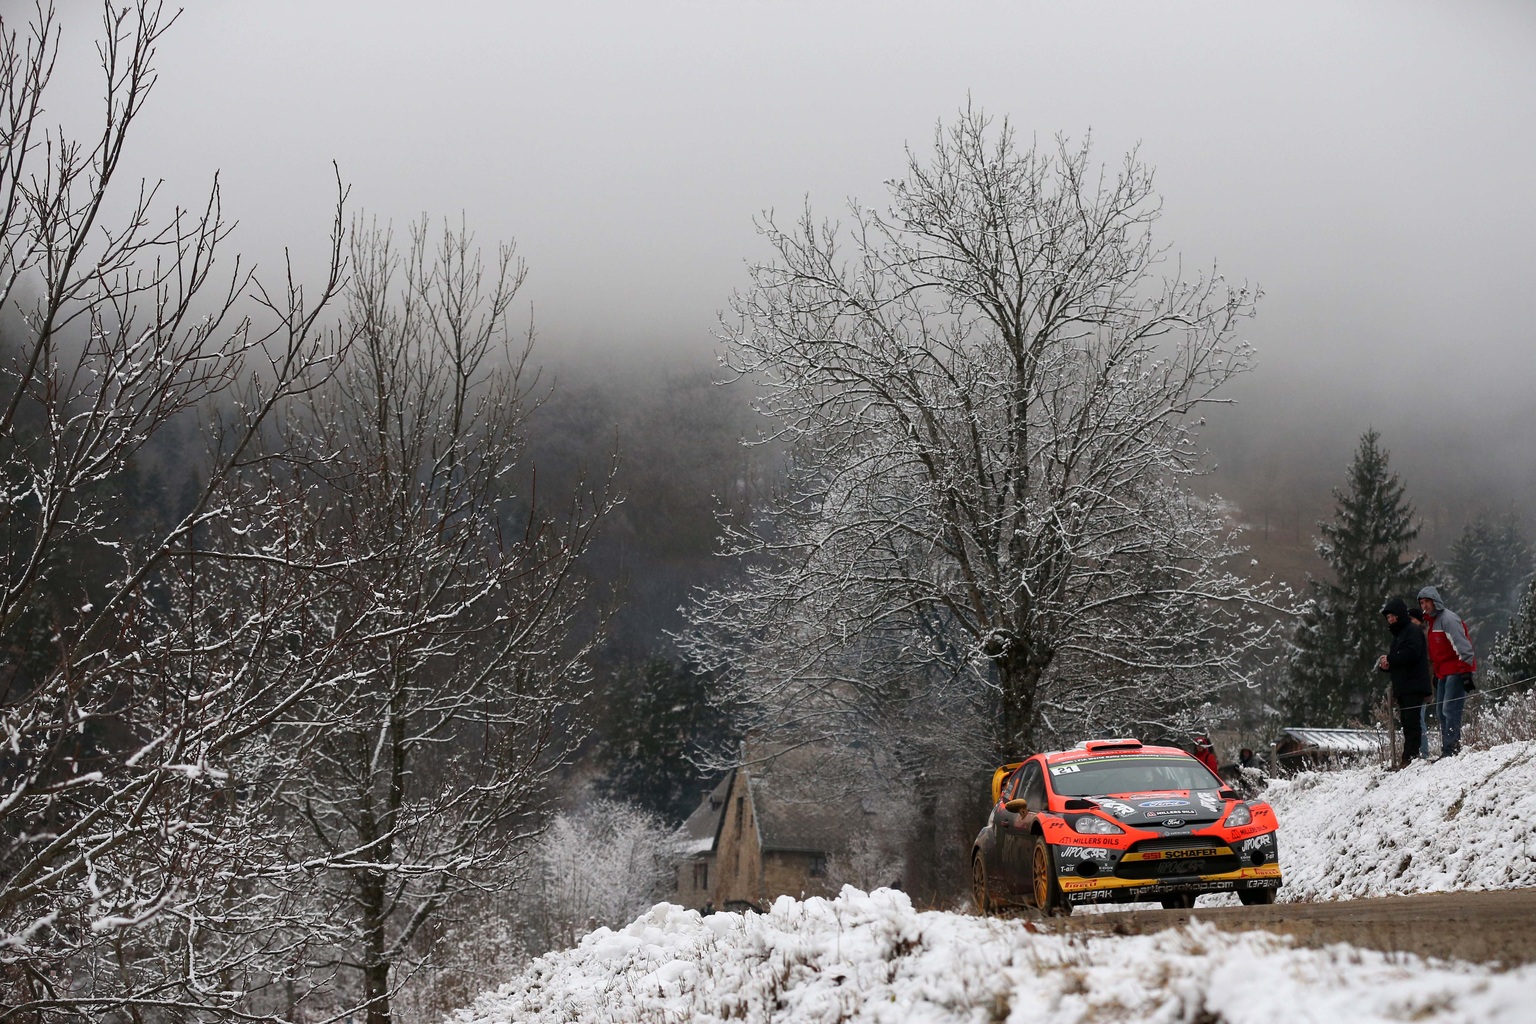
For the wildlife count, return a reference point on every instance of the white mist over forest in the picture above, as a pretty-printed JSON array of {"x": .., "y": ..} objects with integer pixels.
[{"x": 1362, "y": 163}]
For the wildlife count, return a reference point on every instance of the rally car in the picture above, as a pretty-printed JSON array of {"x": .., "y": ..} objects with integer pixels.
[{"x": 1114, "y": 821}]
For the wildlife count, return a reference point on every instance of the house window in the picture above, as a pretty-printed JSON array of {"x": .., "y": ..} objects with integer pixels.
[
  {"x": 818, "y": 866},
  {"x": 701, "y": 875},
  {"x": 741, "y": 813}
]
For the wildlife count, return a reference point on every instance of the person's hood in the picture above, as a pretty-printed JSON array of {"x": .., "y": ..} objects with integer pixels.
[
  {"x": 1434, "y": 596},
  {"x": 1396, "y": 606}
]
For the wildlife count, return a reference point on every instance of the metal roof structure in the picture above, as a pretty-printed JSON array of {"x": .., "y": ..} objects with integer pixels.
[{"x": 1333, "y": 741}]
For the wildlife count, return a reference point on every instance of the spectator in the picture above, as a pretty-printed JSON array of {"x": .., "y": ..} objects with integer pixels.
[
  {"x": 1206, "y": 754},
  {"x": 1250, "y": 774},
  {"x": 1453, "y": 660},
  {"x": 1417, "y": 617},
  {"x": 1408, "y": 662}
]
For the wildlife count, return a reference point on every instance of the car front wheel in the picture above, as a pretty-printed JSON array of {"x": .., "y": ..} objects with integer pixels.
[{"x": 1048, "y": 898}]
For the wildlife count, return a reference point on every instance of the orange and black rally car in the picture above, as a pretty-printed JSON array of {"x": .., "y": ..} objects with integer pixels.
[{"x": 1113, "y": 821}]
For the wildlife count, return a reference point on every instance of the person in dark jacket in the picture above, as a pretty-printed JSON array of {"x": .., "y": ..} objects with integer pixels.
[
  {"x": 1407, "y": 661},
  {"x": 1452, "y": 659}
]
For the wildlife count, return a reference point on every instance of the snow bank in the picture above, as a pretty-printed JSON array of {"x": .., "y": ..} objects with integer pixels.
[
  {"x": 872, "y": 958},
  {"x": 1464, "y": 822},
  {"x": 1467, "y": 822}
]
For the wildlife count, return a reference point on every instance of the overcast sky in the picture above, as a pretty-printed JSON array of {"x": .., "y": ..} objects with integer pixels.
[{"x": 1369, "y": 164}]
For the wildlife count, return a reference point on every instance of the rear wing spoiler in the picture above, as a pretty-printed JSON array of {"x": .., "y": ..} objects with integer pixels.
[{"x": 998, "y": 775}]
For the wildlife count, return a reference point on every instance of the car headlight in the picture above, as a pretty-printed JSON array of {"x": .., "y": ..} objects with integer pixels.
[
  {"x": 1093, "y": 825},
  {"x": 1240, "y": 816}
]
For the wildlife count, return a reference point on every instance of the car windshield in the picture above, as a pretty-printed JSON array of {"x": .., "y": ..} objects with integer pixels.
[{"x": 1134, "y": 774}]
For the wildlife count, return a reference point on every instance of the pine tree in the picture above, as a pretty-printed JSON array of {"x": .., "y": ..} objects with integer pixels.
[
  {"x": 1514, "y": 654},
  {"x": 1490, "y": 562},
  {"x": 657, "y": 721},
  {"x": 1366, "y": 545}
]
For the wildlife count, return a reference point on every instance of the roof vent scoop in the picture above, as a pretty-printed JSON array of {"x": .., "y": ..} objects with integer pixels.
[{"x": 1125, "y": 743}]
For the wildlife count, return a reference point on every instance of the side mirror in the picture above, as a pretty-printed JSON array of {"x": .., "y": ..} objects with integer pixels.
[{"x": 1016, "y": 806}]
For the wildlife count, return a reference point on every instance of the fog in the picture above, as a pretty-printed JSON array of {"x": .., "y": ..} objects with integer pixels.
[{"x": 1367, "y": 164}]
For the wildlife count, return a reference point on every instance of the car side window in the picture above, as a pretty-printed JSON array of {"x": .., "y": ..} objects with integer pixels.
[
  {"x": 1034, "y": 786},
  {"x": 1011, "y": 785}
]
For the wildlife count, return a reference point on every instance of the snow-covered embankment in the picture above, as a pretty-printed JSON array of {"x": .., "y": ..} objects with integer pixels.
[{"x": 1463, "y": 823}]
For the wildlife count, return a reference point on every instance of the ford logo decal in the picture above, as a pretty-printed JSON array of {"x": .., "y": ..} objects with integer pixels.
[{"x": 1163, "y": 803}]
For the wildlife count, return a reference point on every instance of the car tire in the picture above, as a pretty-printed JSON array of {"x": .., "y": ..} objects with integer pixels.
[
  {"x": 984, "y": 904},
  {"x": 1256, "y": 897},
  {"x": 1046, "y": 889},
  {"x": 1178, "y": 901}
]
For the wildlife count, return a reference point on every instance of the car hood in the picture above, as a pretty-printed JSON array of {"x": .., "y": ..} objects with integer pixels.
[{"x": 1185, "y": 806}]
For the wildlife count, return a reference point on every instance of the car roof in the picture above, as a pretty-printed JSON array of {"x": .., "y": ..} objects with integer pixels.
[{"x": 1107, "y": 750}]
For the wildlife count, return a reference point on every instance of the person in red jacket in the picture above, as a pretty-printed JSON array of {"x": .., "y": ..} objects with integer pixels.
[
  {"x": 1206, "y": 754},
  {"x": 1452, "y": 659}
]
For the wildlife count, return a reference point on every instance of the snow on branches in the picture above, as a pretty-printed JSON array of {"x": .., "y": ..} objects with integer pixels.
[{"x": 991, "y": 398}]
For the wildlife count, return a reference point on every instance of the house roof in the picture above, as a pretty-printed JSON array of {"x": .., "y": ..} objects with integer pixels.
[
  {"x": 799, "y": 822},
  {"x": 803, "y": 799},
  {"x": 697, "y": 834}
]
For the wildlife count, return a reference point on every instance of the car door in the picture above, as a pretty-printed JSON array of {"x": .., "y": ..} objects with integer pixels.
[
  {"x": 1032, "y": 789},
  {"x": 1028, "y": 784}
]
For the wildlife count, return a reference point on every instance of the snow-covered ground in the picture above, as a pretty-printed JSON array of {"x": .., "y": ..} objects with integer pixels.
[{"x": 1463, "y": 823}]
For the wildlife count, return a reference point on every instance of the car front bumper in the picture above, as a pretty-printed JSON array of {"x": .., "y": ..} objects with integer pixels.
[{"x": 1132, "y": 890}]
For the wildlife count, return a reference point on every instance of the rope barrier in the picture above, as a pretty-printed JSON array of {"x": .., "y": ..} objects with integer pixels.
[{"x": 1505, "y": 686}]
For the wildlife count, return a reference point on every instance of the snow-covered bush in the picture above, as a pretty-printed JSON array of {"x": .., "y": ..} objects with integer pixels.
[
  {"x": 1500, "y": 717},
  {"x": 600, "y": 865},
  {"x": 869, "y": 862}
]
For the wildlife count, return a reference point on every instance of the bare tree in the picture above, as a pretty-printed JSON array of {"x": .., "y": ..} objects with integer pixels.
[
  {"x": 992, "y": 398},
  {"x": 409, "y": 618},
  {"x": 117, "y": 321}
]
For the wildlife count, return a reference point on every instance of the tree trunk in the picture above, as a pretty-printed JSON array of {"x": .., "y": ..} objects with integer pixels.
[
  {"x": 1018, "y": 674},
  {"x": 922, "y": 846},
  {"x": 375, "y": 964}
]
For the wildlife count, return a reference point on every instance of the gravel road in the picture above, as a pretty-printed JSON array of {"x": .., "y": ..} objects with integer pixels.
[{"x": 1485, "y": 927}]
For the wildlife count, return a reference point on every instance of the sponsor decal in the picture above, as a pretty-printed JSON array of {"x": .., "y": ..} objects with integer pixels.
[
  {"x": 1117, "y": 808},
  {"x": 1262, "y": 842},
  {"x": 1163, "y": 803},
  {"x": 1220, "y": 851},
  {"x": 1164, "y": 813},
  {"x": 1086, "y": 890},
  {"x": 1210, "y": 801},
  {"x": 1085, "y": 853},
  {"x": 1249, "y": 830},
  {"x": 1181, "y": 867},
  {"x": 1263, "y": 871}
]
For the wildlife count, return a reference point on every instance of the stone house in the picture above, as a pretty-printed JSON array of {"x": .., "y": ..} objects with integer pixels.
[{"x": 763, "y": 832}]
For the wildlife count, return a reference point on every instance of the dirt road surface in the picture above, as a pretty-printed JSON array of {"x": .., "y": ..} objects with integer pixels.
[{"x": 1485, "y": 927}]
